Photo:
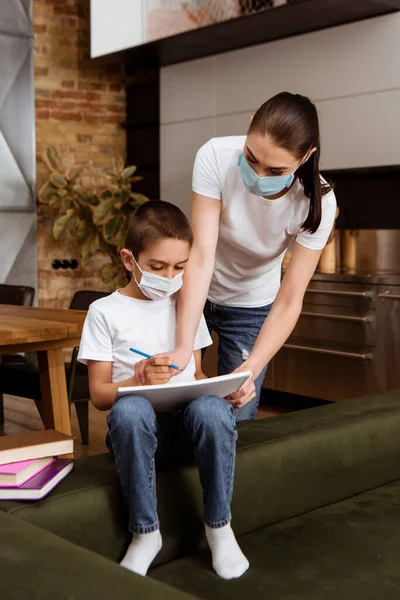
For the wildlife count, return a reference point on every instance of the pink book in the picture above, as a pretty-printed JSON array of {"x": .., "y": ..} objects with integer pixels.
[
  {"x": 39, "y": 486},
  {"x": 18, "y": 473}
]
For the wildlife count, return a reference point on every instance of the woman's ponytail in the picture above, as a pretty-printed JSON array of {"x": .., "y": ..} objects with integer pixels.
[{"x": 311, "y": 180}]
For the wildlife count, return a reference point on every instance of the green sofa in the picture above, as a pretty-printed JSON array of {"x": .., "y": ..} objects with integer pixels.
[{"x": 316, "y": 509}]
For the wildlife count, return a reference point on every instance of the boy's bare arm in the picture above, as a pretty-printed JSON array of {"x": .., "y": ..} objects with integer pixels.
[
  {"x": 199, "y": 371},
  {"x": 103, "y": 390}
]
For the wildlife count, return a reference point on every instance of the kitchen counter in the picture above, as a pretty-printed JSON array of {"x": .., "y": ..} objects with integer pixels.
[
  {"x": 382, "y": 277},
  {"x": 346, "y": 342}
]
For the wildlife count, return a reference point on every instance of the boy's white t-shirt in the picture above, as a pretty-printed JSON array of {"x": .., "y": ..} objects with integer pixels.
[
  {"x": 254, "y": 233},
  {"x": 116, "y": 323}
]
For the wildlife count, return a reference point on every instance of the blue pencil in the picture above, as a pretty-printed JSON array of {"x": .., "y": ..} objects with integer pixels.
[{"x": 149, "y": 356}]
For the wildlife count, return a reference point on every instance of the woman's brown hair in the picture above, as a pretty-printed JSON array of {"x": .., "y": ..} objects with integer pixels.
[{"x": 291, "y": 120}]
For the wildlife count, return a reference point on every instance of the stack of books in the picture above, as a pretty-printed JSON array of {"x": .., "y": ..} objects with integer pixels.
[{"x": 30, "y": 466}]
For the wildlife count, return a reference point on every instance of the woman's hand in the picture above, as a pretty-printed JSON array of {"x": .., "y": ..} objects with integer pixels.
[
  {"x": 243, "y": 396},
  {"x": 246, "y": 394},
  {"x": 179, "y": 357}
]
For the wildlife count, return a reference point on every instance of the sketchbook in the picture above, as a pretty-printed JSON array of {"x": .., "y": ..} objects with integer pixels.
[{"x": 171, "y": 396}]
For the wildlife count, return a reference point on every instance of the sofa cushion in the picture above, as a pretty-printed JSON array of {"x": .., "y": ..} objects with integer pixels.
[
  {"x": 348, "y": 550},
  {"x": 38, "y": 565},
  {"x": 286, "y": 466}
]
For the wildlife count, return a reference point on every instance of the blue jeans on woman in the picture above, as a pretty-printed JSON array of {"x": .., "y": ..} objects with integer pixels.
[
  {"x": 237, "y": 330},
  {"x": 205, "y": 430}
]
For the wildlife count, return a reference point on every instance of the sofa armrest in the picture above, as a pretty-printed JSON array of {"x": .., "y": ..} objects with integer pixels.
[{"x": 36, "y": 564}]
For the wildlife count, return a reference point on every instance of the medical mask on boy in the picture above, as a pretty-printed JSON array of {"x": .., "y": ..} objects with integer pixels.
[
  {"x": 263, "y": 186},
  {"x": 155, "y": 286}
]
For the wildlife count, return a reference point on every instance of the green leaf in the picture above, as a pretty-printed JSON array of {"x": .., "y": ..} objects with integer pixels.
[
  {"x": 61, "y": 223},
  {"x": 82, "y": 230},
  {"x": 58, "y": 180},
  {"x": 104, "y": 247},
  {"x": 53, "y": 159},
  {"x": 74, "y": 173},
  {"x": 102, "y": 210},
  {"x": 112, "y": 226},
  {"x": 128, "y": 172},
  {"x": 66, "y": 205},
  {"x": 78, "y": 189},
  {"x": 47, "y": 192},
  {"x": 106, "y": 194},
  {"x": 73, "y": 225},
  {"x": 139, "y": 198},
  {"x": 61, "y": 193},
  {"x": 119, "y": 164},
  {"x": 120, "y": 237},
  {"x": 88, "y": 249},
  {"x": 109, "y": 271}
]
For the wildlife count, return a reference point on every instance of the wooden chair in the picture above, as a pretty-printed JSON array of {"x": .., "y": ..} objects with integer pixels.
[{"x": 21, "y": 377}]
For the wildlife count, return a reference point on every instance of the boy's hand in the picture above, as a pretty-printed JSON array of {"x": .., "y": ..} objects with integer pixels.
[
  {"x": 141, "y": 366},
  {"x": 157, "y": 370}
]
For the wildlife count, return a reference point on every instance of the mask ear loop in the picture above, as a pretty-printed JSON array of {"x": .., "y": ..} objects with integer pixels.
[
  {"x": 302, "y": 162},
  {"x": 304, "y": 159},
  {"x": 133, "y": 272}
]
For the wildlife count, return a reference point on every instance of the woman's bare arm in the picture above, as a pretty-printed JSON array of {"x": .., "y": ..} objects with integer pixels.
[
  {"x": 198, "y": 273},
  {"x": 282, "y": 319}
]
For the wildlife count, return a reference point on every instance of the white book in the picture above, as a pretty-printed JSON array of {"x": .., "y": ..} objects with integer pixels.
[{"x": 172, "y": 395}]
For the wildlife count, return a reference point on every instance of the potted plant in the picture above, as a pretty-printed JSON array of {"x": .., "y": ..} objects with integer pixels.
[{"x": 97, "y": 220}]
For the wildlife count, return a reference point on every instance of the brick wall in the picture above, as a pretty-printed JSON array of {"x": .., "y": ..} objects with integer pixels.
[{"x": 80, "y": 109}]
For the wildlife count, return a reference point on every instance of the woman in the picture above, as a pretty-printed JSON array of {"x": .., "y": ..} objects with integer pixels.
[{"x": 252, "y": 197}]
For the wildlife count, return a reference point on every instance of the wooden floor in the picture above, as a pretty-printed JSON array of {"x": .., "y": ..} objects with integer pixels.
[{"x": 21, "y": 415}]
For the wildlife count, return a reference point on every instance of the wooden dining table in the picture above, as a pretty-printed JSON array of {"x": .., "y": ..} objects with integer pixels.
[{"x": 48, "y": 332}]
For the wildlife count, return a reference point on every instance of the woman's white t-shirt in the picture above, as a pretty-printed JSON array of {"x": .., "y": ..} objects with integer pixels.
[
  {"x": 116, "y": 323},
  {"x": 254, "y": 233}
]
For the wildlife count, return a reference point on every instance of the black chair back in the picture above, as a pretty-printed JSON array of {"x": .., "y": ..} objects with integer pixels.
[
  {"x": 19, "y": 295},
  {"x": 83, "y": 299}
]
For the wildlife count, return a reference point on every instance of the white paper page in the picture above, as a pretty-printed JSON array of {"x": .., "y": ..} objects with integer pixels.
[{"x": 170, "y": 396}]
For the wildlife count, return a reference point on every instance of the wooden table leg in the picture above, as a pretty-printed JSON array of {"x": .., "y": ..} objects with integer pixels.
[{"x": 56, "y": 413}]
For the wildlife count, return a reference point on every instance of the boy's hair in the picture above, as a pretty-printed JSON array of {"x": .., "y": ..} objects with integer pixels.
[{"x": 155, "y": 221}]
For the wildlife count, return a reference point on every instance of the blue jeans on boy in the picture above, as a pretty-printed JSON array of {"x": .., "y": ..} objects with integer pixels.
[
  {"x": 205, "y": 430},
  {"x": 237, "y": 330}
]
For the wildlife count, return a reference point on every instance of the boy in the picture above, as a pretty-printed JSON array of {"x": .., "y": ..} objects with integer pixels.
[{"x": 143, "y": 315}]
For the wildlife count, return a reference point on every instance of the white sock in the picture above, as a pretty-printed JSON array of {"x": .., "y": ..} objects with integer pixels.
[
  {"x": 228, "y": 560},
  {"x": 142, "y": 550}
]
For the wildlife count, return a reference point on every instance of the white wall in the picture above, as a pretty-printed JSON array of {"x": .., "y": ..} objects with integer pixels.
[
  {"x": 116, "y": 25},
  {"x": 352, "y": 72},
  {"x": 18, "y": 236}
]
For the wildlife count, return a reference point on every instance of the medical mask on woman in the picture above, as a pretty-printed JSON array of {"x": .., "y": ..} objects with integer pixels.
[
  {"x": 155, "y": 286},
  {"x": 263, "y": 186}
]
